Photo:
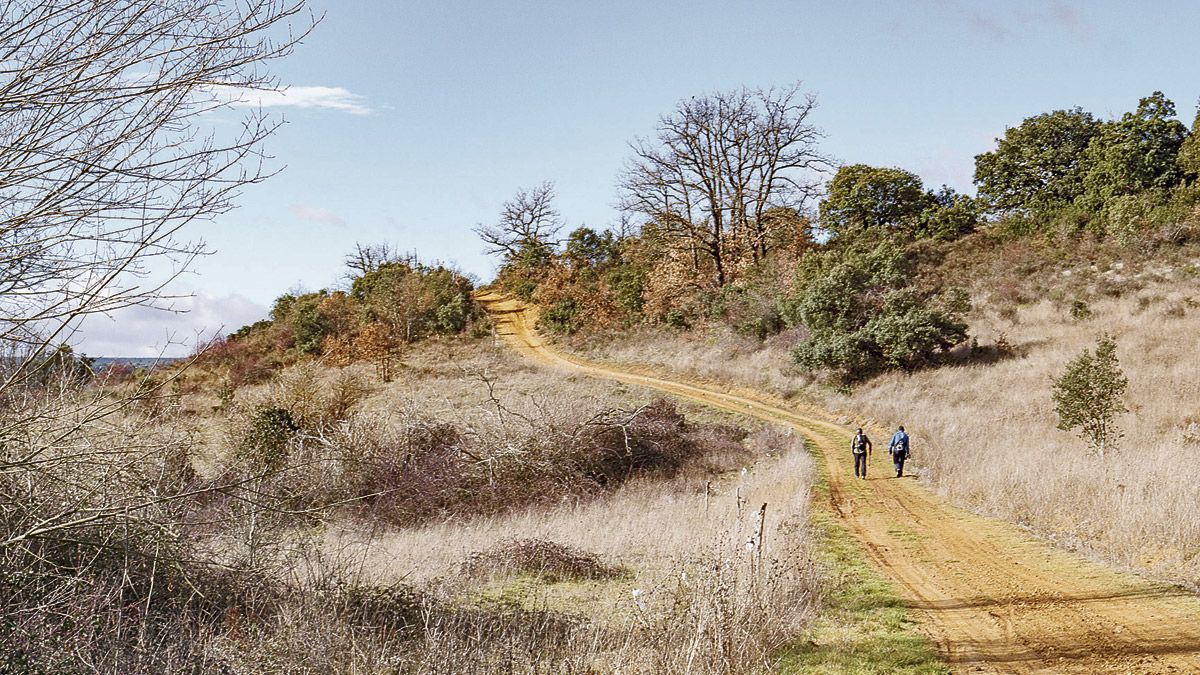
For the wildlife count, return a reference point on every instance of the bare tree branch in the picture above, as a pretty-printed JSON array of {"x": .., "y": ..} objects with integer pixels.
[
  {"x": 110, "y": 148},
  {"x": 528, "y": 220},
  {"x": 718, "y": 165}
]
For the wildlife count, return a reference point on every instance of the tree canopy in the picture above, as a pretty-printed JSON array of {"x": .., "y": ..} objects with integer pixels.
[
  {"x": 1039, "y": 164},
  {"x": 862, "y": 197},
  {"x": 528, "y": 225},
  {"x": 1189, "y": 152},
  {"x": 717, "y": 166},
  {"x": 1135, "y": 154}
]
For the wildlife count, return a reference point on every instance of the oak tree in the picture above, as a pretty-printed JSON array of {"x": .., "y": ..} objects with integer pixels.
[
  {"x": 717, "y": 165},
  {"x": 1039, "y": 164}
]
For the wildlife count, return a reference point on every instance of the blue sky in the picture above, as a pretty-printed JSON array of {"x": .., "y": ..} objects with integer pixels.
[{"x": 411, "y": 122}]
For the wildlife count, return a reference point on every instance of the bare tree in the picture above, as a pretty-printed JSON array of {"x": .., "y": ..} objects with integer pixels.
[
  {"x": 108, "y": 148},
  {"x": 366, "y": 258},
  {"x": 716, "y": 168},
  {"x": 113, "y": 140},
  {"x": 527, "y": 221}
]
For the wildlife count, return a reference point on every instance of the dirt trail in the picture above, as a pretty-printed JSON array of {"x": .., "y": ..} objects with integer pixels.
[{"x": 992, "y": 598}]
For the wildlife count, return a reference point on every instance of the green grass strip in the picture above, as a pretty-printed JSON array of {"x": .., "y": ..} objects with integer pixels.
[{"x": 864, "y": 626}]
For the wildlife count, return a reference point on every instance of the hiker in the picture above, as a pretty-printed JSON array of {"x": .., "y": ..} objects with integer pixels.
[
  {"x": 899, "y": 449},
  {"x": 861, "y": 448}
]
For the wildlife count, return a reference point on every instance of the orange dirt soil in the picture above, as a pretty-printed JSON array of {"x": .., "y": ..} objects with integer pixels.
[{"x": 992, "y": 597}]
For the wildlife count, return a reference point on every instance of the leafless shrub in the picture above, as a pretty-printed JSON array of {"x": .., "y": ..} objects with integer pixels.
[
  {"x": 538, "y": 557},
  {"x": 410, "y": 467}
]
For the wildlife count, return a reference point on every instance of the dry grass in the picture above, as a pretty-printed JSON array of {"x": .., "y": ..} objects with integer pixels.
[
  {"x": 984, "y": 426},
  {"x": 694, "y": 595},
  {"x": 655, "y": 567},
  {"x": 713, "y": 353},
  {"x": 986, "y": 436}
]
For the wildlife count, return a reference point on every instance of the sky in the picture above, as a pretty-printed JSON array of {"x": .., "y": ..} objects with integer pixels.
[{"x": 411, "y": 122}]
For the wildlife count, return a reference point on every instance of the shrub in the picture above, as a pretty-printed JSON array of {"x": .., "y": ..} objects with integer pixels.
[
  {"x": 266, "y": 440},
  {"x": 560, "y": 318},
  {"x": 675, "y": 318},
  {"x": 1088, "y": 395},
  {"x": 428, "y": 469},
  {"x": 627, "y": 283},
  {"x": 864, "y": 318},
  {"x": 539, "y": 557}
]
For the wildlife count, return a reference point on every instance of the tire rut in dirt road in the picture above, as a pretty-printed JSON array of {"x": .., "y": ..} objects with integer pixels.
[{"x": 992, "y": 597}]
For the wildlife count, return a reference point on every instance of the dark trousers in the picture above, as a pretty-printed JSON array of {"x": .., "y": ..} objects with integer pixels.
[
  {"x": 898, "y": 462},
  {"x": 860, "y": 463}
]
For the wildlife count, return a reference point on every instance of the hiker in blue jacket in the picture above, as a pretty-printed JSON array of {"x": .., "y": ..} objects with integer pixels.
[{"x": 899, "y": 449}]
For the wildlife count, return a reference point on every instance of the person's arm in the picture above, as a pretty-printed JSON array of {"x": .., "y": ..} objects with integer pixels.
[{"x": 869, "y": 448}]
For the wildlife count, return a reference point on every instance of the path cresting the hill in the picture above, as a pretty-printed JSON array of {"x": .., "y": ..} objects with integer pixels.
[{"x": 993, "y": 598}]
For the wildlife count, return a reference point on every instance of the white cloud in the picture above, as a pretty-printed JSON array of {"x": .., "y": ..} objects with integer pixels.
[
  {"x": 148, "y": 331},
  {"x": 326, "y": 98},
  {"x": 317, "y": 215}
]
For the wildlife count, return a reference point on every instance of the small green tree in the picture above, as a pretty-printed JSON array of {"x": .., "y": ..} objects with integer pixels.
[
  {"x": 1088, "y": 395},
  {"x": 587, "y": 250}
]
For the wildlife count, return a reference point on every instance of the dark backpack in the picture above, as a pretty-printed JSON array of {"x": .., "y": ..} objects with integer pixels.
[{"x": 859, "y": 445}]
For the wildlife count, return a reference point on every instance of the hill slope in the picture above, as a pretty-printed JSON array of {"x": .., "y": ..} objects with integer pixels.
[{"x": 991, "y": 596}]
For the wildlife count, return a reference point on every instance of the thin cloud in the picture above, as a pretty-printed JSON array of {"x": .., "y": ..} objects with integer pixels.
[
  {"x": 317, "y": 215},
  {"x": 171, "y": 331},
  {"x": 323, "y": 98},
  {"x": 1071, "y": 19},
  {"x": 988, "y": 26},
  {"x": 1003, "y": 25}
]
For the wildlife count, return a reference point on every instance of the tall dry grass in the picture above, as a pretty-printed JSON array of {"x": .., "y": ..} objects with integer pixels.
[
  {"x": 700, "y": 592},
  {"x": 985, "y": 434},
  {"x": 450, "y": 521},
  {"x": 984, "y": 427},
  {"x": 715, "y": 353},
  {"x": 693, "y": 589}
]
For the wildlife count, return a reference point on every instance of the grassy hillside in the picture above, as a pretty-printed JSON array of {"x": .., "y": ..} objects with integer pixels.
[
  {"x": 471, "y": 515},
  {"x": 983, "y": 421}
]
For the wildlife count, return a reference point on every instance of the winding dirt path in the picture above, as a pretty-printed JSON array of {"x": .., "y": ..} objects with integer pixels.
[{"x": 992, "y": 598}]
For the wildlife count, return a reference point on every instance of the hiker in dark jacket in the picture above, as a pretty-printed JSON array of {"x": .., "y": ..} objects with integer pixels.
[
  {"x": 860, "y": 446},
  {"x": 899, "y": 449}
]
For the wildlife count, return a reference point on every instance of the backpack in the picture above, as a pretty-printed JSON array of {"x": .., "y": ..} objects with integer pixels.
[{"x": 859, "y": 445}]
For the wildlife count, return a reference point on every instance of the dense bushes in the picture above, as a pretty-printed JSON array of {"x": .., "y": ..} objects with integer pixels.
[
  {"x": 422, "y": 468},
  {"x": 390, "y": 304},
  {"x": 863, "y": 316}
]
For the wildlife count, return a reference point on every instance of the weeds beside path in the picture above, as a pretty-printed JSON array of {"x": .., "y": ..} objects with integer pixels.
[{"x": 991, "y": 597}]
